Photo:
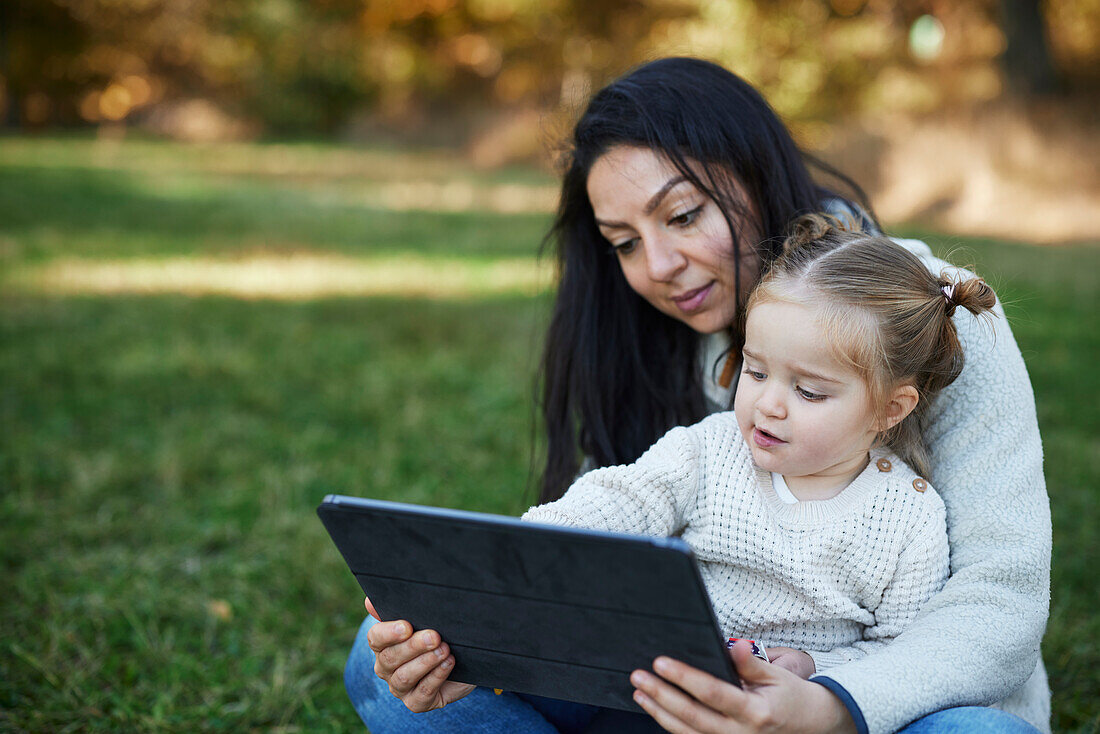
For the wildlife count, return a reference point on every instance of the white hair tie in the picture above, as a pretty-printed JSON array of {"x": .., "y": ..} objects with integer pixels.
[{"x": 948, "y": 293}]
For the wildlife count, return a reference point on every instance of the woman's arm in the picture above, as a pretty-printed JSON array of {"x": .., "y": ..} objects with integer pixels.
[{"x": 977, "y": 640}]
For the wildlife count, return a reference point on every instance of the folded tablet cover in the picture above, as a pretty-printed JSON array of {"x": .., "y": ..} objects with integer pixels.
[{"x": 558, "y": 612}]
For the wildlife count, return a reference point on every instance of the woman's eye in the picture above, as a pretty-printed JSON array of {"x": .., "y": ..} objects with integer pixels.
[
  {"x": 625, "y": 248},
  {"x": 811, "y": 396},
  {"x": 685, "y": 219}
]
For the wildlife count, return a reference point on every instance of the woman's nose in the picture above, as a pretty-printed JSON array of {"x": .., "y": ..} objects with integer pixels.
[{"x": 663, "y": 258}]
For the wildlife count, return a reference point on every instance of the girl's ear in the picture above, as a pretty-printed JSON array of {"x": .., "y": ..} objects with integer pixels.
[{"x": 899, "y": 404}]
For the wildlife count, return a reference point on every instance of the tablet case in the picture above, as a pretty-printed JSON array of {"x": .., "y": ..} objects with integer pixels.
[{"x": 559, "y": 612}]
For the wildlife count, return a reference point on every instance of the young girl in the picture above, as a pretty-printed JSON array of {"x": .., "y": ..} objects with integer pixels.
[{"x": 807, "y": 506}]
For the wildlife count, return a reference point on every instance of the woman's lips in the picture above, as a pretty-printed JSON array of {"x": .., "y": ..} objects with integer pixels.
[
  {"x": 693, "y": 299},
  {"x": 765, "y": 440}
]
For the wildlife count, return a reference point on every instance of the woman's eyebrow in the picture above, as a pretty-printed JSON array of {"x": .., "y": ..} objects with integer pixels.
[
  {"x": 655, "y": 200},
  {"x": 652, "y": 204}
]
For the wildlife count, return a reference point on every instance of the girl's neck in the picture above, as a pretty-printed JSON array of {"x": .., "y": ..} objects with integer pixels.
[{"x": 825, "y": 486}]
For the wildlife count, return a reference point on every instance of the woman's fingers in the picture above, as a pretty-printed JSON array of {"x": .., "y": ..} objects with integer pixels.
[
  {"x": 433, "y": 690},
  {"x": 671, "y": 707},
  {"x": 408, "y": 677},
  {"x": 395, "y": 645},
  {"x": 662, "y": 717},
  {"x": 684, "y": 699},
  {"x": 387, "y": 634},
  {"x": 397, "y": 656},
  {"x": 717, "y": 694},
  {"x": 452, "y": 691}
]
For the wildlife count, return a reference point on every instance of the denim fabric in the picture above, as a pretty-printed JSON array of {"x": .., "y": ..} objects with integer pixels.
[
  {"x": 970, "y": 719},
  {"x": 482, "y": 710}
]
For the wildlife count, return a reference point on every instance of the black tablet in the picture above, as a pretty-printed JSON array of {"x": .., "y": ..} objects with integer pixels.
[{"x": 559, "y": 612}]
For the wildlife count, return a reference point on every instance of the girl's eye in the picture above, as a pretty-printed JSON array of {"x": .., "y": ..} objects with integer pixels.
[
  {"x": 811, "y": 396},
  {"x": 754, "y": 374},
  {"x": 686, "y": 219}
]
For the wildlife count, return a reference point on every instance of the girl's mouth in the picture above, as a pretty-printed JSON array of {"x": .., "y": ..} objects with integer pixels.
[
  {"x": 693, "y": 299},
  {"x": 765, "y": 440}
]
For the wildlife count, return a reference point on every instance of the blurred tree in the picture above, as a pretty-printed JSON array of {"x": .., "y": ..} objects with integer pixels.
[
  {"x": 293, "y": 65},
  {"x": 38, "y": 40},
  {"x": 1027, "y": 63},
  {"x": 308, "y": 66}
]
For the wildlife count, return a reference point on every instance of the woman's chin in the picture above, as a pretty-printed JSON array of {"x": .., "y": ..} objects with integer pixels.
[
  {"x": 704, "y": 321},
  {"x": 707, "y": 323}
]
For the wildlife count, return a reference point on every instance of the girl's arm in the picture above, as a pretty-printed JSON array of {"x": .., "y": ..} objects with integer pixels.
[
  {"x": 652, "y": 496},
  {"x": 922, "y": 570},
  {"x": 977, "y": 640}
]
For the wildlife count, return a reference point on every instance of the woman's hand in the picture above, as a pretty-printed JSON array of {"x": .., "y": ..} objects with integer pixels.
[
  {"x": 415, "y": 666},
  {"x": 686, "y": 700},
  {"x": 797, "y": 661}
]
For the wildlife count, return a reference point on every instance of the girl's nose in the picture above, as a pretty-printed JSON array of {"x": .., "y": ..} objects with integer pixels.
[
  {"x": 771, "y": 402},
  {"x": 663, "y": 258}
]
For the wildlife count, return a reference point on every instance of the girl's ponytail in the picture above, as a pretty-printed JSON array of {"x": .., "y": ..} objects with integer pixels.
[
  {"x": 940, "y": 338},
  {"x": 973, "y": 294}
]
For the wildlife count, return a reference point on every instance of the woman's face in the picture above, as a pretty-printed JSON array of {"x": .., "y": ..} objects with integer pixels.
[{"x": 672, "y": 242}]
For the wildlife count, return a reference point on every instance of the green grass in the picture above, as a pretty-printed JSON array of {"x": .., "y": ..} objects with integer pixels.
[{"x": 161, "y": 455}]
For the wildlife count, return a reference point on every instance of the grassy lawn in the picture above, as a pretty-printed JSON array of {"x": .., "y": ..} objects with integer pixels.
[{"x": 163, "y": 446}]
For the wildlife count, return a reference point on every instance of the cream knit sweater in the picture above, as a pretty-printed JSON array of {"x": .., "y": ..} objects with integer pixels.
[{"x": 836, "y": 578}]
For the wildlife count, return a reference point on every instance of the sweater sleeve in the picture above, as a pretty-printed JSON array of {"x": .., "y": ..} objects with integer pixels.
[
  {"x": 649, "y": 497},
  {"x": 921, "y": 570},
  {"x": 977, "y": 640}
]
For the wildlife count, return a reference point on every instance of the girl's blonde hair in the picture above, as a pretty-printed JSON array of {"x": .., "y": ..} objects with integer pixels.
[{"x": 885, "y": 314}]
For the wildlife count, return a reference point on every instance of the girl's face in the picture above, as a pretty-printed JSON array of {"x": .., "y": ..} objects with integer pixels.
[
  {"x": 672, "y": 242},
  {"x": 804, "y": 414}
]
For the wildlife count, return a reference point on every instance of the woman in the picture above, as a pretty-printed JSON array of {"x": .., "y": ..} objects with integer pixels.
[{"x": 680, "y": 188}]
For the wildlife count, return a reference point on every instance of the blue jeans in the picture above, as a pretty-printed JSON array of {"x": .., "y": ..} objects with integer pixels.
[
  {"x": 965, "y": 719},
  {"x": 511, "y": 713}
]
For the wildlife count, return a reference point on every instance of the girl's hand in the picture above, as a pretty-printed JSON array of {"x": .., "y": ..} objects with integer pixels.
[
  {"x": 798, "y": 662},
  {"x": 415, "y": 666},
  {"x": 686, "y": 700}
]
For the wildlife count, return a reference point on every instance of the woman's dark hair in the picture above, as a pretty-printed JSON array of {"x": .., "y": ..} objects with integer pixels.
[{"x": 616, "y": 373}]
